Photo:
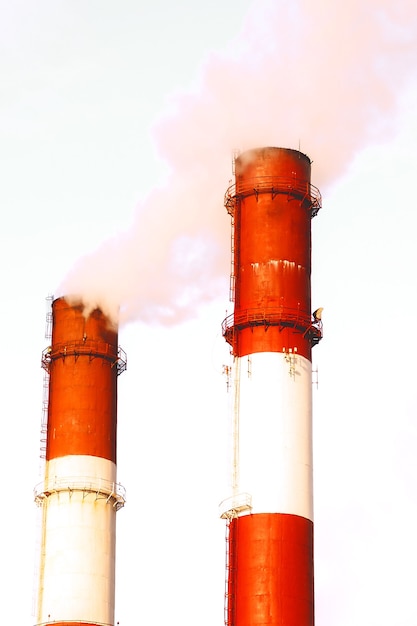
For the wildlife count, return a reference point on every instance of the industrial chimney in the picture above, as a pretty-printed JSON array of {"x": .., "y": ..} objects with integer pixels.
[
  {"x": 79, "y": 495},
  {"x": 269, "y": 573}
]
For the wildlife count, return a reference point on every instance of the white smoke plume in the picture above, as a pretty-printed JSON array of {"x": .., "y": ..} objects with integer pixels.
[{"x": 320, "y": 76}]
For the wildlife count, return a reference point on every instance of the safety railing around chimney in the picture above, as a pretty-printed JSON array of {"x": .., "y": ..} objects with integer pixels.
[
  {"x": 73, "y": 622},
  {"x": 302, "y": 190},
  {"x": 273, "y": 316},
  {"x": 100, "y": 488},
  {"x": 92, "y": 349}
]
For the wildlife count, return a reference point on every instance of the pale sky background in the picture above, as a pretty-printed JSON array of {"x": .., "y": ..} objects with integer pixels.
[{"x": 118, "y": 122}]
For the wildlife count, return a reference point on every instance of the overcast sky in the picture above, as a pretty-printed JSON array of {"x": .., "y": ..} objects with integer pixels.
[{"x": 118, "y": 123}]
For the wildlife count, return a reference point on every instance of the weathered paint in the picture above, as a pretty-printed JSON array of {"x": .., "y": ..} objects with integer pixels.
[
  {"x": 272, "y": 331},
  {"x": 272, "y": 205}
]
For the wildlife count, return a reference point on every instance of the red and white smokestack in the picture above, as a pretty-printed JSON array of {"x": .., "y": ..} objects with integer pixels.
[
  {"x": 271, "y": 334},
  {"x": 79, "y": 495}
]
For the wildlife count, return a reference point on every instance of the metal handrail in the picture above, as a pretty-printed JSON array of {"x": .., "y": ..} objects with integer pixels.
[
  {"x": 275, "y": 185},
  {"x": 74, "y": 622},
  {"x": 91, "y": 348},
  {"x": 100, "y": 486},
  {"x": 268, "y": 315},
  {"x": 274, "y": 316}
]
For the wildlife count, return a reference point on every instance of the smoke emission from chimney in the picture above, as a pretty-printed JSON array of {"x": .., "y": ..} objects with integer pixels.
[{"x": 321, "y": 77}]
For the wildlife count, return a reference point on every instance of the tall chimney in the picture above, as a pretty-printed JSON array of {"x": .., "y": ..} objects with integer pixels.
[
  {"x": 269, "y": 578},
  {"x": 79, "y": 495}
]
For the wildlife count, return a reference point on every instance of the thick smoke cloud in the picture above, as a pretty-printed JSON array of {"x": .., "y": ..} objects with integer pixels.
[{"x": 318, "y": 76}]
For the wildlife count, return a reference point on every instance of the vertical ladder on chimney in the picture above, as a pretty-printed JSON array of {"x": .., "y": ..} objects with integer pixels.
[
  {"x": 235, "y": 155},
  {"x": 45, "y": 396},
  {"x": 229, "y": 591},
  {"x": 232, "y": 265},
  {"x": 44, "y": 425}
]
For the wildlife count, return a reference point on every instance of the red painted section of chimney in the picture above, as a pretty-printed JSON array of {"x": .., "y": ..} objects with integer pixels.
[
  {"x": 272, "y": 204},
  {"x": 83, "y": 389},
  {"x": 269, "y": 582}
]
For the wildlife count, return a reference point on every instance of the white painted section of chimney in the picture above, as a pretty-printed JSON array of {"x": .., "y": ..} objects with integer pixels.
[
  {"x": 78, "y": 543},
  {"x": 275, "y": 433}
]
